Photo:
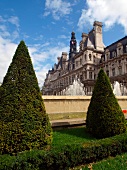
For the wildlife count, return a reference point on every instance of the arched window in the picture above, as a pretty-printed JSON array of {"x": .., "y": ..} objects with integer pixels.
[
  {"x": 80, "y": 61},
  {"x": 120, "y": 70},
  {"x": 107, "y": 72},
  {"x": 90, "y": 57},
  {"x": 113, "y": 72},
  {"x": 85, "y": 57},
  {"x": 90, "y": 75}
]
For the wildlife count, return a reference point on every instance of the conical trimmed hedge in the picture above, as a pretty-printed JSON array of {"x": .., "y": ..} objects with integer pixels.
[
  {"x": 23, "y": 120},
  {"x": 104, "y": 115}
]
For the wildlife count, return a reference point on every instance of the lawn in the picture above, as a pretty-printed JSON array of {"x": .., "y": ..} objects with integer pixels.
[{"x": 71, "y": 136}]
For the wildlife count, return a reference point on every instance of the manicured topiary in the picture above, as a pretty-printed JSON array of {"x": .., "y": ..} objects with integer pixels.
[
  {"x": 104, "y": 115},
  {"x": 24, "y": 124}
]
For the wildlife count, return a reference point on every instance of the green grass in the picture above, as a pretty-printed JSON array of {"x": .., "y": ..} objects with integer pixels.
[
  {"x": 113, "y": 163},
  {"x": 70, "y": 136},
  {"x": 58, "y": 116},
  {"x": 79, "y": 136}
]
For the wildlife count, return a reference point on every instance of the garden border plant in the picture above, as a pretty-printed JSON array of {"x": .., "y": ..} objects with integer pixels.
[{"x": 68, "y": 156}]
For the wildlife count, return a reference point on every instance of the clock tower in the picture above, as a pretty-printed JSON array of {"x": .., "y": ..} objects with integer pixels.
[
  {"x": 72, "y": 52},
  {"x": 73, "y": 45}
]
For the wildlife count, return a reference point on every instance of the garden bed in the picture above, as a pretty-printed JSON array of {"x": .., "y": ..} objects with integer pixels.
[{"x": 70, "y": 148}]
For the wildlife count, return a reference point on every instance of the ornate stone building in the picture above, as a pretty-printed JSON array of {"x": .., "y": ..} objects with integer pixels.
[{"x": 86, "y": 63}]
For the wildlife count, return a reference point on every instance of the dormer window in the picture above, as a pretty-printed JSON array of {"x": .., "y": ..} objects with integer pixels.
[
  {"x": 113, "y": 54},
  {"x": 119, "y": 49},
  {"x": 107, "y": 56}
]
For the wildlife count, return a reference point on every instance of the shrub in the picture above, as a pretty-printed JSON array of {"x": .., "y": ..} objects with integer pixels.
[
  {"x": 104, "y": 115},
  {"x": 24, "y": 123},
  {"x": 69, "y": 156}
]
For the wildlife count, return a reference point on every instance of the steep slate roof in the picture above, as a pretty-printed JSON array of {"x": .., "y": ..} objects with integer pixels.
[{"x": 112, "y": 47}]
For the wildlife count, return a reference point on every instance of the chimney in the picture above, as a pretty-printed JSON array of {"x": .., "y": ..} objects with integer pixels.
[
  {"x": 84, "y": 37},
  {"x": 58, "y": 59},
  {"x": 64, "y": 55}
]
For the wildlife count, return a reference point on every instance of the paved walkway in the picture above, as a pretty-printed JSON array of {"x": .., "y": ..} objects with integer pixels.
[
  {"x": 67, "y": 122},
  {"x": 70, "y": 122}
]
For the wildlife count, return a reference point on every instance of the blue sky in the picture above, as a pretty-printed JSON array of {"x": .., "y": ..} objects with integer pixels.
[{"x": 46, "y": 26}]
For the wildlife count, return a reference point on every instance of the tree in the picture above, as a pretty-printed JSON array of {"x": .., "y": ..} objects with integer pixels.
[
  {"x": 23, "y": 119},
  {"x": 104, "y": 115}
]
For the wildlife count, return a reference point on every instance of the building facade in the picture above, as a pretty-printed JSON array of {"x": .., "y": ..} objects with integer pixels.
[{"x": 86, "y": 63}]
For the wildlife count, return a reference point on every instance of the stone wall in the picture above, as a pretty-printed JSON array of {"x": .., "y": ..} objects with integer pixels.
[{"x": 73, "y": 104}]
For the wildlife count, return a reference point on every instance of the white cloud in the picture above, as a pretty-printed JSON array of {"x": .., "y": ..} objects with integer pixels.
[
  {"x": 14, "y": 20},
  {"x": 7, "y": 50},
  {"x": 7, "y": 47},
  {"x": 110, "y": 13},
  {"x": 3, "y": 31},
  {"x": 5, "y": 23},
  {"x": 2, "y": 27},
  {"x": 2, "y": 19},
  {"x": 41, "y": 74},
  {"x": 57, "y": 8},
  {"x": 40, "y": 37},
  {"x": 63, "y": 37},
  {"x": 41, "y": 55}
]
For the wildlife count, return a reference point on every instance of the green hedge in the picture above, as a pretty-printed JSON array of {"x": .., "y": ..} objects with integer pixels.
[{"x": 68, "y": 156}]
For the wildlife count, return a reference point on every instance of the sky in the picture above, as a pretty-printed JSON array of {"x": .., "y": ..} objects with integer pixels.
[{"x": 46, "y": 26}]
